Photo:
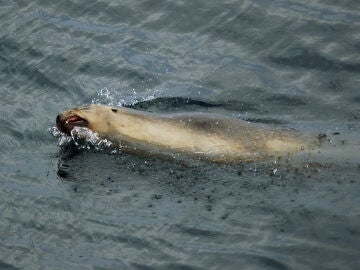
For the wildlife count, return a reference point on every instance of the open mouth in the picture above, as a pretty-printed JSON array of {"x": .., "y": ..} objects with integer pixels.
[
  {"x": 75, "y": 120},
  {"x": 67, "y": 124}
]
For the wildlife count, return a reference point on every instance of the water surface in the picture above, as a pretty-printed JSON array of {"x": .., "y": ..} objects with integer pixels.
[{"x": 292, "y": 64}]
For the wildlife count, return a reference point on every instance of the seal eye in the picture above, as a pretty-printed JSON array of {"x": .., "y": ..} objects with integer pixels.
[{"x": 114, "y": 110}]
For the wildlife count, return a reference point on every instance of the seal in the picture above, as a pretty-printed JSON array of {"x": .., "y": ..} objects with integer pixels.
[{"x": 205, "y": 135}]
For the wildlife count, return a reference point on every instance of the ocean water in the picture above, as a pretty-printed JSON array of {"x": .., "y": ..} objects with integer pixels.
[{"x": 285, "y": 63}]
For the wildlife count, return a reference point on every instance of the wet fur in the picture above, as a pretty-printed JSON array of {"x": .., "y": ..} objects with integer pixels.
[{"x": 206, "y": 135}]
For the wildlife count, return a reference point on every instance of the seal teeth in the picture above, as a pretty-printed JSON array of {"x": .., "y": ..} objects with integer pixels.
[{"x": 72, "y": 119}]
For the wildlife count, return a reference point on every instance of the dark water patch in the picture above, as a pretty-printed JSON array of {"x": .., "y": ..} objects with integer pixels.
[
  {"x": 78, "y": 164},
  {"x": 240, "y": 106},
  {"x": 171, "y": 104},
  {"x": 252, "y": 261},
  {"x": 6, "y": 266},
  {"x": 8, "y": 46},
  {"x": 175, "y": 266},
  {"x": 20, "y": 113},
  {"x": 33, "y": 53},
  {"x": 270, "y": 263},
  {"x": 168, "y": 104},
  {"x": 177, "y": 177},
  {"x": 267, "y": 121},
  {"x": 200, "y": 233},
  {"x": 286, "y": 100},
  {"x": 356, "y": 99},
  {"x": 306, "y": 58},
  {"x": 335, "y": 85}
]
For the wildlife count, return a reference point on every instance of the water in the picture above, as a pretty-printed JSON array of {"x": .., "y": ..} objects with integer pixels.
[{"x": 285, "y": 63}]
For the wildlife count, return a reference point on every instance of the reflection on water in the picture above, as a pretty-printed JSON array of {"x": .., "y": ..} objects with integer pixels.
[{"x": 284, "y": 64}]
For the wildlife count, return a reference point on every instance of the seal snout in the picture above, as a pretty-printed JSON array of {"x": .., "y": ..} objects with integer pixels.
[
  {"x": 60, "y": 124},
  {"x": 65, "y": 122},
  {"x": 58, "y": 119}
]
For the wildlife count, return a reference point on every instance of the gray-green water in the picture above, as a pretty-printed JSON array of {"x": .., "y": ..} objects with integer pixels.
[{"x": 286, "y": 63}]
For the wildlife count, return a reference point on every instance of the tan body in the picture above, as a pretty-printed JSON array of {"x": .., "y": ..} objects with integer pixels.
[{"x": 206, "y": 135}]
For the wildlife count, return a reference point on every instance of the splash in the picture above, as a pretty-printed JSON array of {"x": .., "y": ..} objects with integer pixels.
[
  {"x": 112, "y": 98},
  {"x": 82, "y": 138},
  {"x": 106, "y": 96}
]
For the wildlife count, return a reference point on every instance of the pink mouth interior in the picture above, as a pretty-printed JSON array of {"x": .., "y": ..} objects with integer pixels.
[{"x": 75, "y": 120}]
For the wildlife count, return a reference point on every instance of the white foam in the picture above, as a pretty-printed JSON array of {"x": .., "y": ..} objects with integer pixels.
[{"x": 83, "y": 138}]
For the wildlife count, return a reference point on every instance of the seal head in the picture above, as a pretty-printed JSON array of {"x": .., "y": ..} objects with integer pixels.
[{"x": 66, "y": 121}]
